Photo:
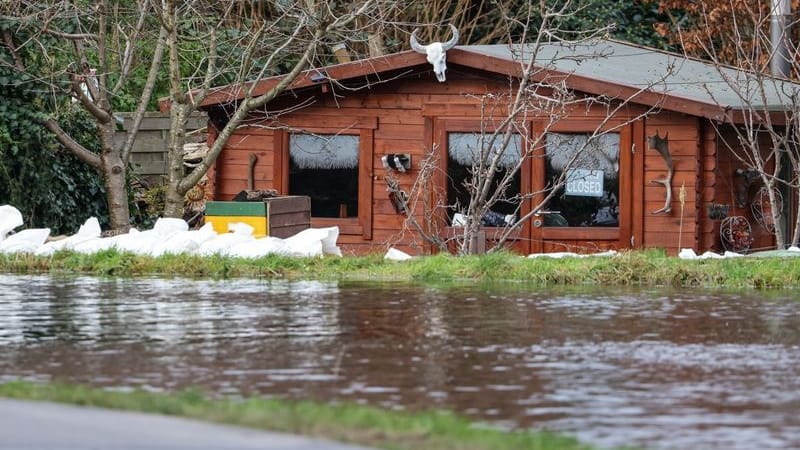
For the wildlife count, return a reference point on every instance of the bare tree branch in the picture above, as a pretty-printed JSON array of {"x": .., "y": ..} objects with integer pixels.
[
  {"x": 88, "y": 103},
  {"x": 77, "y": 149},
  {"x": 128, "y": 54},
  {"x": 147, "y": 93},
  {"x": 9, "y": 43},
  {"x": 74, "y": 36}
]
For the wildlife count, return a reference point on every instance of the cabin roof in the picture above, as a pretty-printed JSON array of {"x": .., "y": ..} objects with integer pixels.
[
  {"x": 599, "y": 67},
  {"x": 615, "y": 62}
]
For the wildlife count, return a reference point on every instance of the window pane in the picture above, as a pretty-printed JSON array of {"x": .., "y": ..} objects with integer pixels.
[
  {"x": 325, "y": 168},
  {"x": 463, "y": 150},
  {"x": 590, "y": 197}
]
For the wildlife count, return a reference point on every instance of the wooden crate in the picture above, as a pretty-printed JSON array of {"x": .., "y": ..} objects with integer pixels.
[
  {"x": 288, "y": 215},
  {"x": 279, "y": 217}
]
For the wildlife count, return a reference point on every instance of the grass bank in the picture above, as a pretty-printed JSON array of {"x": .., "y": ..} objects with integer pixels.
[
  {"x": 643, "y": 268},
  {"x": 356, "y": 424}
]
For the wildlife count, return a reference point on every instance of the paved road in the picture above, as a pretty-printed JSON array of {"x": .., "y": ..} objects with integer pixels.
[{"x": 48, "y": 426}]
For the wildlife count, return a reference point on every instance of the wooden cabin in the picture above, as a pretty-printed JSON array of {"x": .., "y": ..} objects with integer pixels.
[{"x": 393, "y": 105}]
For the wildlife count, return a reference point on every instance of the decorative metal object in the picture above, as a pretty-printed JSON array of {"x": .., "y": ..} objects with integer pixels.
[
  {"x": 398, "y": 196},
  {"x": 762, "y": 208},
  {"x": 718, "y": 211},
  {"x": 400, "y": 162},
  {"x": 736, "y": 234}
]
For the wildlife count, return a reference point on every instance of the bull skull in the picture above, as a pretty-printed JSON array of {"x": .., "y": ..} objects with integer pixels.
[{"x": 436, "y": 52}]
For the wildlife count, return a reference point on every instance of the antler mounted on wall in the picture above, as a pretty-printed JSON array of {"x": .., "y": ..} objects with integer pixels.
[{"x": 661, "y": 145}]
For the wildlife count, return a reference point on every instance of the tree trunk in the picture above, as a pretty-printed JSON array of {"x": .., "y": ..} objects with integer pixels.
[
  {"x": 116, "y": 192},
  {"x": 173, "y": 202},
  {"x": 471, "y": 236},
  {"x": 115, "y": 177},
  {"x": 796, "y": 233},
  {"x": 174, "y": 198},
  {"x": 375, "y": 43},
  {"x": 777, "y": 216}
]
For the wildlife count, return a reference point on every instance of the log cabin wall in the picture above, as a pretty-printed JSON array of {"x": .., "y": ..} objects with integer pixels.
[
  {"x": 728, "y": 147},
  {"x": 708, "y": 174},
  {"x": 400, "y": 116},
  {"x": 664, "y": 230},
  {"x": 400, "y": 127}
]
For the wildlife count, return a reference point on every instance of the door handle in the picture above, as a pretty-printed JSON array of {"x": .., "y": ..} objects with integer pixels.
[{"x": 538, "y": 222}]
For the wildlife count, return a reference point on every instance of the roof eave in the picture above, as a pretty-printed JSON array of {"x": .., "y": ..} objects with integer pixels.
[
  {"x": 463, "y": 56},
  {"x": 662, "y": 100},
  {"x": 317, "y": 76}
]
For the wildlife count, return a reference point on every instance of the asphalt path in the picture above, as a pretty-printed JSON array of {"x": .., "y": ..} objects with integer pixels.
[{"x": 49, "y": 426}]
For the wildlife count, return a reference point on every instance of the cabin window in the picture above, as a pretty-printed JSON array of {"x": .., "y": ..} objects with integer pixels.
[
  {"x": 463, "y": 152},
  {"x": 590, "y": 169},
  {"x": 325, "y": 167}
]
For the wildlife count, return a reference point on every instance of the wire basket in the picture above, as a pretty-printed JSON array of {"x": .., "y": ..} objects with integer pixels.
[
  {"x": 736, "y": 234},
  {"x": 761, "y": 208}
]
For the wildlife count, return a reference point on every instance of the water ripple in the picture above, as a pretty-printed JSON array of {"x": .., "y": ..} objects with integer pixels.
[{"x": 655, "y": 368}]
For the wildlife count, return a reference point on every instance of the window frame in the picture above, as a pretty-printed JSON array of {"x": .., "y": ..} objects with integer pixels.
[
  {"x": 551, "y": 233},
  {"x": 443, "y": 127},
  {"x": 547, "y": 162},
  {"x": 365, "y": 130}
]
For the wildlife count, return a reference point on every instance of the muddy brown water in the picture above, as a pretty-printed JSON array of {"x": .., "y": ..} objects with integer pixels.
[{"x": 653, "y": 367}]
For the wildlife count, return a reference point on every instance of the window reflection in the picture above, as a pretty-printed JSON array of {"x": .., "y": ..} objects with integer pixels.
[
  {"x": 463, "y": 151},
  {"x": 590, "y": 197},
  {"x": 325, "y": 168}
]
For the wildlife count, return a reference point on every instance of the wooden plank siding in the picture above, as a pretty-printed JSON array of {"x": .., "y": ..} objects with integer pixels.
[
  {"x": 401, "y": 115},
  {"x": 232, "y": 164},
  {"x": 727, "y": 143},
  {"x": 400, "y": 127},
  {"x": 665, "y": 230},
  {"x": 149, "y": 152},
  {"x": 707, "y": 229}
]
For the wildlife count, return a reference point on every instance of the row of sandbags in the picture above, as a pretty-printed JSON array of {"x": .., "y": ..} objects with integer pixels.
[{"x": 168, "y": 236}]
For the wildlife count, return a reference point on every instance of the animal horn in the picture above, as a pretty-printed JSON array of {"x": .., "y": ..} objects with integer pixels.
[
  {"x": 661, "y": 145},
  {"x": 415, "y": 45},
  {"x": 453, "y": 40}
]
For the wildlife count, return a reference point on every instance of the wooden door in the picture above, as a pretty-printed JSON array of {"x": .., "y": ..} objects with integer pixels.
[
  {"x": 450, "y": 137},
  {"x": 593, "y": 211}
]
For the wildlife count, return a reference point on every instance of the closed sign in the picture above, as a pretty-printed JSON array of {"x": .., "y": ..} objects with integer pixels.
[{"x": 584, "y": 183}]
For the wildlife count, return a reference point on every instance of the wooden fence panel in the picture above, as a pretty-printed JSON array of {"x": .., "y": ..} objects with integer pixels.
[{"x": 149, "y": 153}]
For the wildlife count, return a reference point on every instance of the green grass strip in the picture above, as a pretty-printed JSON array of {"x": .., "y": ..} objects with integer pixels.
[
  {"x": 640, "y": 268},
  {"x": 355, "y": 424}
]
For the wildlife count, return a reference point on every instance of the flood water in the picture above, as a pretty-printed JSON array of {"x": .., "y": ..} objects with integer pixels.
[{"x": 657, "y": 368}]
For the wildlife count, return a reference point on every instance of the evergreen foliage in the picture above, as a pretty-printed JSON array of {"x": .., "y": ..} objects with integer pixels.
[{"x": 49, "y": 185}]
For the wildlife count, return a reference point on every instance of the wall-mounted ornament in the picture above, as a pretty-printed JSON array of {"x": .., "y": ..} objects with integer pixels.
[
  {"x": 398, "y": 196},
  {"x": 718, "y": 211},
  {"x": 400, "y": 162},
  {"x": 436, "y": 52},
  {"x": 735, "y": 233},
  {"x": 743, "y": 180},
  {"x": 661, "y": 145},
  {"x": 762, "y": 207}
]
